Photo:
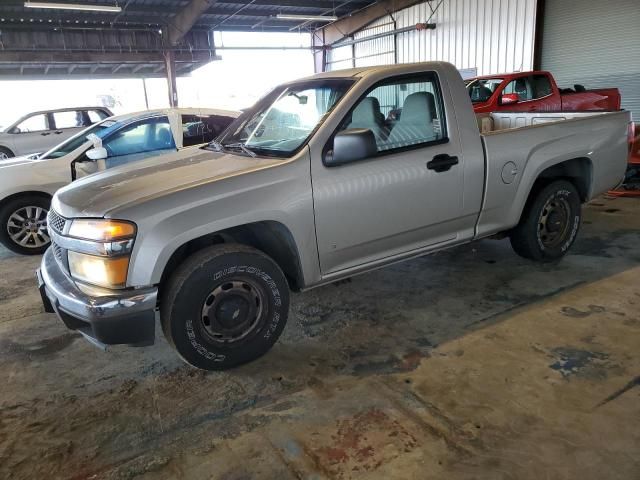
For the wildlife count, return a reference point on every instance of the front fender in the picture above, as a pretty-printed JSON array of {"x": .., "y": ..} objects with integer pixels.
[{"x": 280, "y": 194}]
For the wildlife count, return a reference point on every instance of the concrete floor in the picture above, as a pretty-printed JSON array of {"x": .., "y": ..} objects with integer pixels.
[{"x": 468, "y": 364}]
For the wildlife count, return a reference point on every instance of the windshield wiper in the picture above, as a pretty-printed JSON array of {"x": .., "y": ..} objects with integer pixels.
[
  {"x": 242, "y": 147},
  {"x": 215, "y": 145}
]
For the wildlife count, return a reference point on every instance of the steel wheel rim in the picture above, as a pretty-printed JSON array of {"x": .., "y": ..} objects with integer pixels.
[
  {"x": 553, "y": 225},
  {"x": 3, "y": 156},
  {"x": 27, "y": 227},
  {"x": 233, "y": 311}
]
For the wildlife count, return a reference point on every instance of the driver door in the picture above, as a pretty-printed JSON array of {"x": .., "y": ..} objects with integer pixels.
[{"x": 394, "y": 202}]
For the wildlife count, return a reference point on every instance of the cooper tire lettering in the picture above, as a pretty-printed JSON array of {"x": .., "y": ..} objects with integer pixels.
[{"x": 194, "y": 327}]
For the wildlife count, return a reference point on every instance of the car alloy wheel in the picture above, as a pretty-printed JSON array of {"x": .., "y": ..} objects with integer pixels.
[{"x": 27, "y": 227}]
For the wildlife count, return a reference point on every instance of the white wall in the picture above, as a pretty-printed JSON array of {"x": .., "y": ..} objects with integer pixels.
[{"x": 596, "y": 45}]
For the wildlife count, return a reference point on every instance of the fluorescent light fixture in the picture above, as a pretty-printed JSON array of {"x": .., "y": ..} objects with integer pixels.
[
  {"x": 74, "y": 6},
  {"x": 306, "y": 18}
]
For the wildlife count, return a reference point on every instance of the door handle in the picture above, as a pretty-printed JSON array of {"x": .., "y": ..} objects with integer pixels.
[
  {"x": 58, "y": 132},
  {"x": 44, "y": 134},
  {"x": 442, "y": 163}
]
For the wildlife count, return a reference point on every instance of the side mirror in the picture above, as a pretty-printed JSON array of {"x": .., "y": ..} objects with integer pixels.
[
  {"x": 97, "y": 153},
  {"x": 350, "y": 146},
  {"x": 509, "y": 98}
]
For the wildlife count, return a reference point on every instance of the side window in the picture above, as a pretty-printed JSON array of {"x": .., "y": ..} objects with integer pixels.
[
  {"x": 71, "y": 119},
  {"x": 401, "y": 113},
  {"x": 198, "y": 129},
  {"x": 96, "y": 116},
  {"x": 149, "y": 135},
  {"x": 37, "y": 123},
  {"x": 541, "y": 86},
  {"x": 522, "y": 87}
]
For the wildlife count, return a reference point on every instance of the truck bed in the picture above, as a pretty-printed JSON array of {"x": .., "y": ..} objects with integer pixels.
[
  {"x": 499, "y": 121},
  {"x": 528, "y": 143}
]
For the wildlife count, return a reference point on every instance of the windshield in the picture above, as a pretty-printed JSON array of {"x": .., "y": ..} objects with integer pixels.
[
  {"x": 480, "y": 90},
  {"x": 281, "y": 123},
  {"x": 101, "y": 129}
]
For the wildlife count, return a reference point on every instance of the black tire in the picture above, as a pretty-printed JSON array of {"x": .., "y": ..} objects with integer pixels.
[
  {"x": 8, "y": 227},
  {"x": 6, "y": 153},
  {"x": 196, "y": 306},
  {"x": 549, "y": 223}
]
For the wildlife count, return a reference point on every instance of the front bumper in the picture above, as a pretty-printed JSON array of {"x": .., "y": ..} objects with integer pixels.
[{"x": 108, "y": 318}]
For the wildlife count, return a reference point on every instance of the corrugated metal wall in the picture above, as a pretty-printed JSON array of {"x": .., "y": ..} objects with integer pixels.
[
  {"x": 596, "y": 45},
  {"x": 340, "y": 58},
  {"x": 380, "y": 51},
  {"x": 491, "y": 36}
]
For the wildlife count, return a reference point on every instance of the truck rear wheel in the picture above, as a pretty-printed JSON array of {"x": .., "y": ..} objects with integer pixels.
[
  {"x": 224, "y": 306},
  {"x": 549, "y": 223}
]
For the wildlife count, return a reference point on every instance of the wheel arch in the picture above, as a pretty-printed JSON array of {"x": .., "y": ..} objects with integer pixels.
[
  {"x": 578, "y": 171},
  {"x": 270, "y": 237},
  {"x": 27, "y": 193},
  {"x": 4, "y": 146}
]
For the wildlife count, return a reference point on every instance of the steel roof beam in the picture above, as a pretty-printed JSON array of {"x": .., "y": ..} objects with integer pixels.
[
  {"x": 182, "y": 23},
  {"x": 222, "y": 6},
  {"x": 66, "y": 58},
  {"x": 347, "y": 26}
]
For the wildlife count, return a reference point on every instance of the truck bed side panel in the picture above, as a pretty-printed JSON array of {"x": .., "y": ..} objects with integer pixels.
[
  {"x": 602, "y": 99},
  {"x": 520, "y": 155}
]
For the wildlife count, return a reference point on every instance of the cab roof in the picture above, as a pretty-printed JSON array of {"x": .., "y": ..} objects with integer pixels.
[
  {"x": 166, "y": 111},
  {"x": 360, "y": 72}
]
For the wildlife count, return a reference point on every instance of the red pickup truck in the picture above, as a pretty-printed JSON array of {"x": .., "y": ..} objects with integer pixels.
[{"x": 536, "y": 91}]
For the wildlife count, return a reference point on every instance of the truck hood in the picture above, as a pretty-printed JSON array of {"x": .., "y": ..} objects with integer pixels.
[{"x": 98, "y": 194}]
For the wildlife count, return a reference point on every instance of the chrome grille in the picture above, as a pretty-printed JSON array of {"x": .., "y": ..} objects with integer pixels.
[{"x": 56, "y": 222}]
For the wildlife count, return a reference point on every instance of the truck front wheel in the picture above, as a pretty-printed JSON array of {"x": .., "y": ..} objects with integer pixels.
[
  {"x": 224, "y": 306},
  {"x": 549, "y": 223}
]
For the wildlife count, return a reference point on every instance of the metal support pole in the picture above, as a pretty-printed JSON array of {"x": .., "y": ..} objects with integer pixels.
[
  {"x": 319, "y": 51},
  {"x": 353, "y": 54},
  {"x": 146, "y": 97},
  {"x": 170, "y": 68}
]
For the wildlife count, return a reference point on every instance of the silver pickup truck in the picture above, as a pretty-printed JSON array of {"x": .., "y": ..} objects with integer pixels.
[{"x": 324, "y": 178}]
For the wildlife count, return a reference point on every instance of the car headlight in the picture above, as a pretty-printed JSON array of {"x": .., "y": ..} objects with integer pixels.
[
  {"x": 106, "y": 272},
  {"x": 102, "y": 230}
]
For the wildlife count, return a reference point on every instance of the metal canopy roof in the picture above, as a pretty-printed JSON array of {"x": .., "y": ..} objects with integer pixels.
[
  {"x": 230, "y": 15},
  {"x": 43, "y": 43}
]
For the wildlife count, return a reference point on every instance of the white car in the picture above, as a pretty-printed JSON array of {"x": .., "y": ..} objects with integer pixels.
[
  {"x": 27, "y": 183},
  {"x": 40, "y": 131}
]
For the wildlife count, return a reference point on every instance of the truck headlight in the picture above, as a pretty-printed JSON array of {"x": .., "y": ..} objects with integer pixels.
[
  {"x": 102, "y": 230},
  {"x": 98, "y": 251},
  {"x": 106, "y": 272}
]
